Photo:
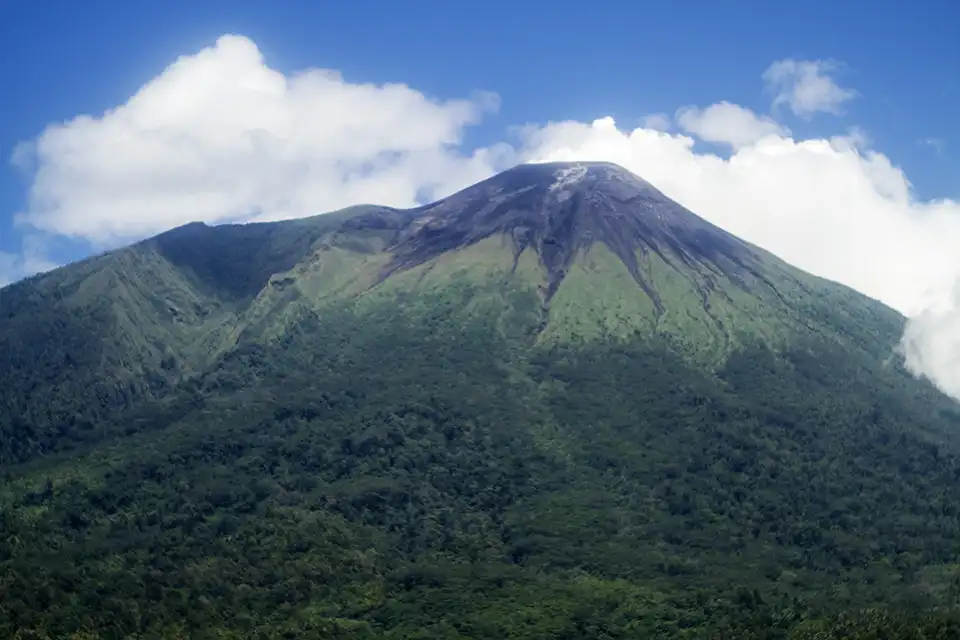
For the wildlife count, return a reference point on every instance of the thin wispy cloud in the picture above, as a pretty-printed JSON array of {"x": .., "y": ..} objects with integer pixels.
[
  {"x": 937, "y": 144},
  {"x": 657, "y": 121},
  {"x": 31, "y": 259},
  {"x": 806, "y": 86}
]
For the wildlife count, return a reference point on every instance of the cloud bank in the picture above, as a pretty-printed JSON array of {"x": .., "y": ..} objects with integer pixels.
[{"x": 219, "y": 136}]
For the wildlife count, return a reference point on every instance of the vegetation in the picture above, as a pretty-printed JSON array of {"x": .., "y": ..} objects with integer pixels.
[{"x": 436, "y": 455}]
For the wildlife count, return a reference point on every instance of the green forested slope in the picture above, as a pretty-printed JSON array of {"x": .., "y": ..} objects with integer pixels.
[
  {"x": 81, "y": 343},
  {"x": 443, "y": 452}
]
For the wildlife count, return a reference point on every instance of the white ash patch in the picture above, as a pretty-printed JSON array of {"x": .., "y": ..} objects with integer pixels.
[{"x": 568, "y": 176}]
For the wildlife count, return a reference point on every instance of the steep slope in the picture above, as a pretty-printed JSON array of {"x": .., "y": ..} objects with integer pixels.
[{"x": 555, "y": 404}]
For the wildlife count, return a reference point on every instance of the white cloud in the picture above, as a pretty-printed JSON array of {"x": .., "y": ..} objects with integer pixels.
[
  {"x": 657, "y": 121},
  {"x": 9, "y": 270},
  {"x": 931, "y": 343},
  {"x": 938, "y": 144},
  {"x": 806, "y": 86},
  {"x": 220, "y": 136},
  {"x": 32, "y": 259},
  {"x": 728, "y": 123}
]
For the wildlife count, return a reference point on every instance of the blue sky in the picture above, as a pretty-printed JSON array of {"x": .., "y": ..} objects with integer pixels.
[{"x": 60, "y": 59}]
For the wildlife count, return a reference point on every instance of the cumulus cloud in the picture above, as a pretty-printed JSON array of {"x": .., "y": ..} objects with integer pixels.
[
  {"x": 931, "y": 343},
  {"x": 728, "y": 123},
  {"x": 806, "y": 86},
  {"x": 221, "y": 136}
]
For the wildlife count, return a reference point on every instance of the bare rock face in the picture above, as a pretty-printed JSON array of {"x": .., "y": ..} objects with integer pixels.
[{"x": 559, "y": 210}]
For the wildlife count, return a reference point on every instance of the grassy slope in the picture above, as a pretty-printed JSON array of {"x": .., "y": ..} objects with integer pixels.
[{"x": 707, "y": 316}]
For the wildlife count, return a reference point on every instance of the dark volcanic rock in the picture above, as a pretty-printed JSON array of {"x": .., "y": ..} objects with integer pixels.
[{"x": 560, "y": 209}]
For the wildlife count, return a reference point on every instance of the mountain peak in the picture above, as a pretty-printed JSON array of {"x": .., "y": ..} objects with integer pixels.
[
  {"x": 559, "y": 210},
  {"x": 574, "y": 176},
  {"x": 562, "y": 179}
]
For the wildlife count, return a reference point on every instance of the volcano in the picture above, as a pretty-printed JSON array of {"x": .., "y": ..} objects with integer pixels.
[{"x": 553, "y": 404}]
